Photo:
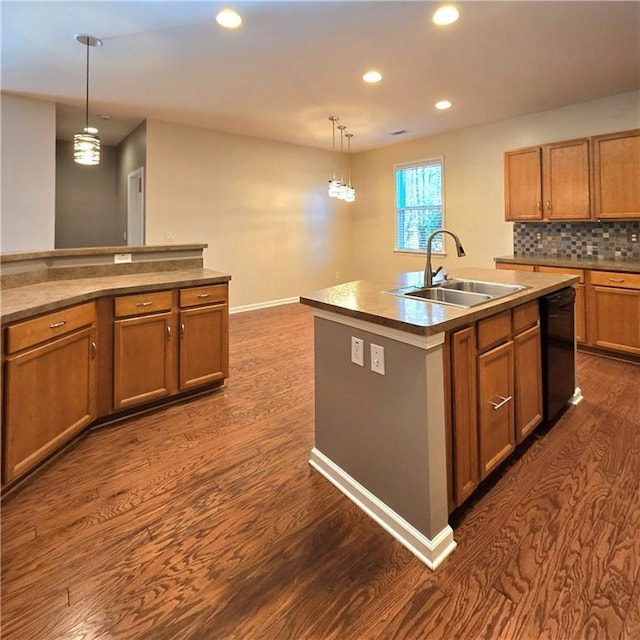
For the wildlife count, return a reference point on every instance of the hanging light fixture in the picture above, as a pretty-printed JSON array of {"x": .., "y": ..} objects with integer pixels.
[
  {"x": 342, "y": 190},
  {"x": 86, "y": 145},
  {"x": 334, "y": 184},
  {"x": 351, "y": 192}
]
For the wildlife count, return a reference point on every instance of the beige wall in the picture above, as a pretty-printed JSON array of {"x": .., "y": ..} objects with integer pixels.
[
  {"x": 473, "y": 167},
  {"x": 28, "y": 173},
  {"x": 261, "y": 206}
]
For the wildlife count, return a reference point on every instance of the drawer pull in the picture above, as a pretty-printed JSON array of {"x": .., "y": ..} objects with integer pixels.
[
  {"x": 615, "y": 279},
  {"x": 144, "y": 304},
  {"x": 497, "y": 405},
  {"x": 204, "y": 295},
  {"x": 55, "y": 325}
]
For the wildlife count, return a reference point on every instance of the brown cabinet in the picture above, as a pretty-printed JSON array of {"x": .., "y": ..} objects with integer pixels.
[
  {"x": 49, "y": 385},
  {"x": 550, "y": 182},
  {"x": 495, "y": 393},
  {"x": 143, "y": 348},
  {"x": 204, "y": 356},
  {"x": 614, "y": 311},
  {"x": 616, "y": 175}
]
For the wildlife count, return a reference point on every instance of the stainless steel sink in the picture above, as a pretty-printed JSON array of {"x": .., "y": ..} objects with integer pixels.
[
  {"x": 460, "y": 293},
  {"x": 493, "y": 289}
]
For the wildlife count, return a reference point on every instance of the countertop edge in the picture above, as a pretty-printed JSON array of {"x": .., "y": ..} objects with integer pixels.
[
  {"x": 89, "y": 293},
  {"x": 625, "y": 266}
]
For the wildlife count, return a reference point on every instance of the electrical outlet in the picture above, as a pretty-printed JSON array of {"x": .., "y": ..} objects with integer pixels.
[
  {"x": 357, "y": 351},
  {"x": 169, "y": 237},
  {"x": 121, "y": 258},
  {"x": 377, "y": 359},
  {"x": 634, "y": 237}
]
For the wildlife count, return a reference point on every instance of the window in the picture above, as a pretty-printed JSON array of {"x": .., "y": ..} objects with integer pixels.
[{"x": 419, "y": 205}]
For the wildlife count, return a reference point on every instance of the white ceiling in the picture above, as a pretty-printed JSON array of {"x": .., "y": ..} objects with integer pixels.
[{"x": 293, "y": 64}]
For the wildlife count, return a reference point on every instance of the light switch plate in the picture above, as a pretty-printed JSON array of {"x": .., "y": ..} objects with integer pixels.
[
  {"x": 377, "y": 359},
  {"x": 357, "y": 351}
]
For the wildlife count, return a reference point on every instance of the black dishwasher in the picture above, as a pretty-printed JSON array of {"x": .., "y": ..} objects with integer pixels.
[{"x": 557, "y": 321}]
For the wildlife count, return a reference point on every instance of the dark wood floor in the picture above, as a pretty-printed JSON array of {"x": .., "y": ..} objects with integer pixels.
[{"x": 204, "y": 520}]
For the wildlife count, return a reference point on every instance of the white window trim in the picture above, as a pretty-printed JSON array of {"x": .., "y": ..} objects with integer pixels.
[{"x": 415, "y": 163}]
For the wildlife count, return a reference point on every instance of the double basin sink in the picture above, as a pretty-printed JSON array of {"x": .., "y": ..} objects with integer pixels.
[{"x": 460, "y": 293}]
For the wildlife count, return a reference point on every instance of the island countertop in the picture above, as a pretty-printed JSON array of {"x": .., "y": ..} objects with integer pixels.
[
  {"x": 24, "y": 302},
  {"x": 368, "y": 299}
]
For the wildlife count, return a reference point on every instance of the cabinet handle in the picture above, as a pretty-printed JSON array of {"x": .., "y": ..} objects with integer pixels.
[
  {"x": 143, "y": 304},
  {"x": 539, "y": 205},
  {"x": 203, "y": 295},
  {"x": 55, "y": 325},
  {"x": 168, "y": 333},
  {"x": 94, "y": 350},
  {"x": 182, "y": 329},
  {"x": 497, "y": 405},
  {"x": 616, "y": 279},
  {"x": 548, "y": 205}
]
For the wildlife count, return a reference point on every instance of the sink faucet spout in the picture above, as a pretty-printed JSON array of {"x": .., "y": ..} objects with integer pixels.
[{"x": 428, "y": 273}]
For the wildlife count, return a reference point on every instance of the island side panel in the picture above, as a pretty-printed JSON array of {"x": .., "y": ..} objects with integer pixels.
[{"x": 377, "y": 428}]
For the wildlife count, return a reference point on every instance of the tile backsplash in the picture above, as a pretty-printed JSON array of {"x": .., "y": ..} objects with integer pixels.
[{"x": 588, "y": 240}]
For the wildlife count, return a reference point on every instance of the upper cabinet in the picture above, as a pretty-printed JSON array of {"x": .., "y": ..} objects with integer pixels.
[
  {"x": 616, "y": 175},
  {"x": 550, "y": 182},
  {"x": 583, "y": 179}
]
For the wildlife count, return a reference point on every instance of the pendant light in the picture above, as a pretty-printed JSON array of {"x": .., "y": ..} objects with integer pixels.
[
  {"x": 86, "y": 145},
  {"x": 334, "y": 184},
  {"x": 351, "y": 192},
  {"x": 342, "y": 190}
]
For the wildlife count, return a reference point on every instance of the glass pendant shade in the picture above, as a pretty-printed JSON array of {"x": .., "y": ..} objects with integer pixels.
[
  {"x": 334, "y": 188},
  {"x": 86, "y": 148},
  {"x": 351, "y": 195}
]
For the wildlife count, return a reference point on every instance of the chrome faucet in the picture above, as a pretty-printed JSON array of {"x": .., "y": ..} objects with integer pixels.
[{"x": 428, "y": 274}]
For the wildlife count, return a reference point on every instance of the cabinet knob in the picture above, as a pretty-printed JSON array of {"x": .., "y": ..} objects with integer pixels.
[
  {"x": 548, "y": 205},
  {"x": 497, "y": 405}
]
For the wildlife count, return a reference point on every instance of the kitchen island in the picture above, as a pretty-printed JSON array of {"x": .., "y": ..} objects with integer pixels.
[{"x": 381, "y": 409}]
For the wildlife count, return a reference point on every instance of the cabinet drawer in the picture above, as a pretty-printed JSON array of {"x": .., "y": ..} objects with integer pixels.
[
  {"x": 614, "y": 279},
  {"x": 195, "y": 296},
  {"x": 563, "y": 271},
  {"x": 31, "y": 332},
  {"x": 494, "y": 330},
  {"x": 525, "y": 316},
  {"x": 141, "y": 303}
]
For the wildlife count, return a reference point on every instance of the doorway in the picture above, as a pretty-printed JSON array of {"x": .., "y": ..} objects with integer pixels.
[{"x": 135, "y": 207}]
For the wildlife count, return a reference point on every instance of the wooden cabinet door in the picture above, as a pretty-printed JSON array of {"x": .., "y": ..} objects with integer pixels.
[
  {"x": 523, "y": 184},
  {"x": 50, "y": 395},
  {"x": 204, "y": 356},
  {"x": 495, "y": 407},
  {"x": 581, "y": 312},
  {"x": 528, "y": 382},
  {"x": 616, "y": 175},
  {"x": 565, "y": 170},
  {"x": 143, "y": 360},
  {"x": 615, "y": 319},
  {"x": 464, "y": 411}
]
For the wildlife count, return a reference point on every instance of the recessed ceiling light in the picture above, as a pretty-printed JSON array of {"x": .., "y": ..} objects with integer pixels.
[
  {"x": 229, "y": 19},
  {"x": 446, "y": 14},
  {"x": 372, "y": 77},
  {"x": 443, "y": 104}
]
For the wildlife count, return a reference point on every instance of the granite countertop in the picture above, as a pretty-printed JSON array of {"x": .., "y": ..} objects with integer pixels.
[
  {"x": 368, "y": 300},
  {"x": 625, "y": 266},
  {"x": 28, "y": 301}
]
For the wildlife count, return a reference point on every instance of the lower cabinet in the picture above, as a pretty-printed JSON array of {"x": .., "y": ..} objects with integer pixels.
[
  {"x": 168, "y": 346},
  {"x": 495, "y": 397},
  {"x": 49, "y": 386},
  {"x": 614, "y": 305}
]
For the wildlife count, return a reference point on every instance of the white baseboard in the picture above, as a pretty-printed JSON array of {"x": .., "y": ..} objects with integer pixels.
[
  {"x": 262, "y": 305},
  {"x": 430, "y": 552}
]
